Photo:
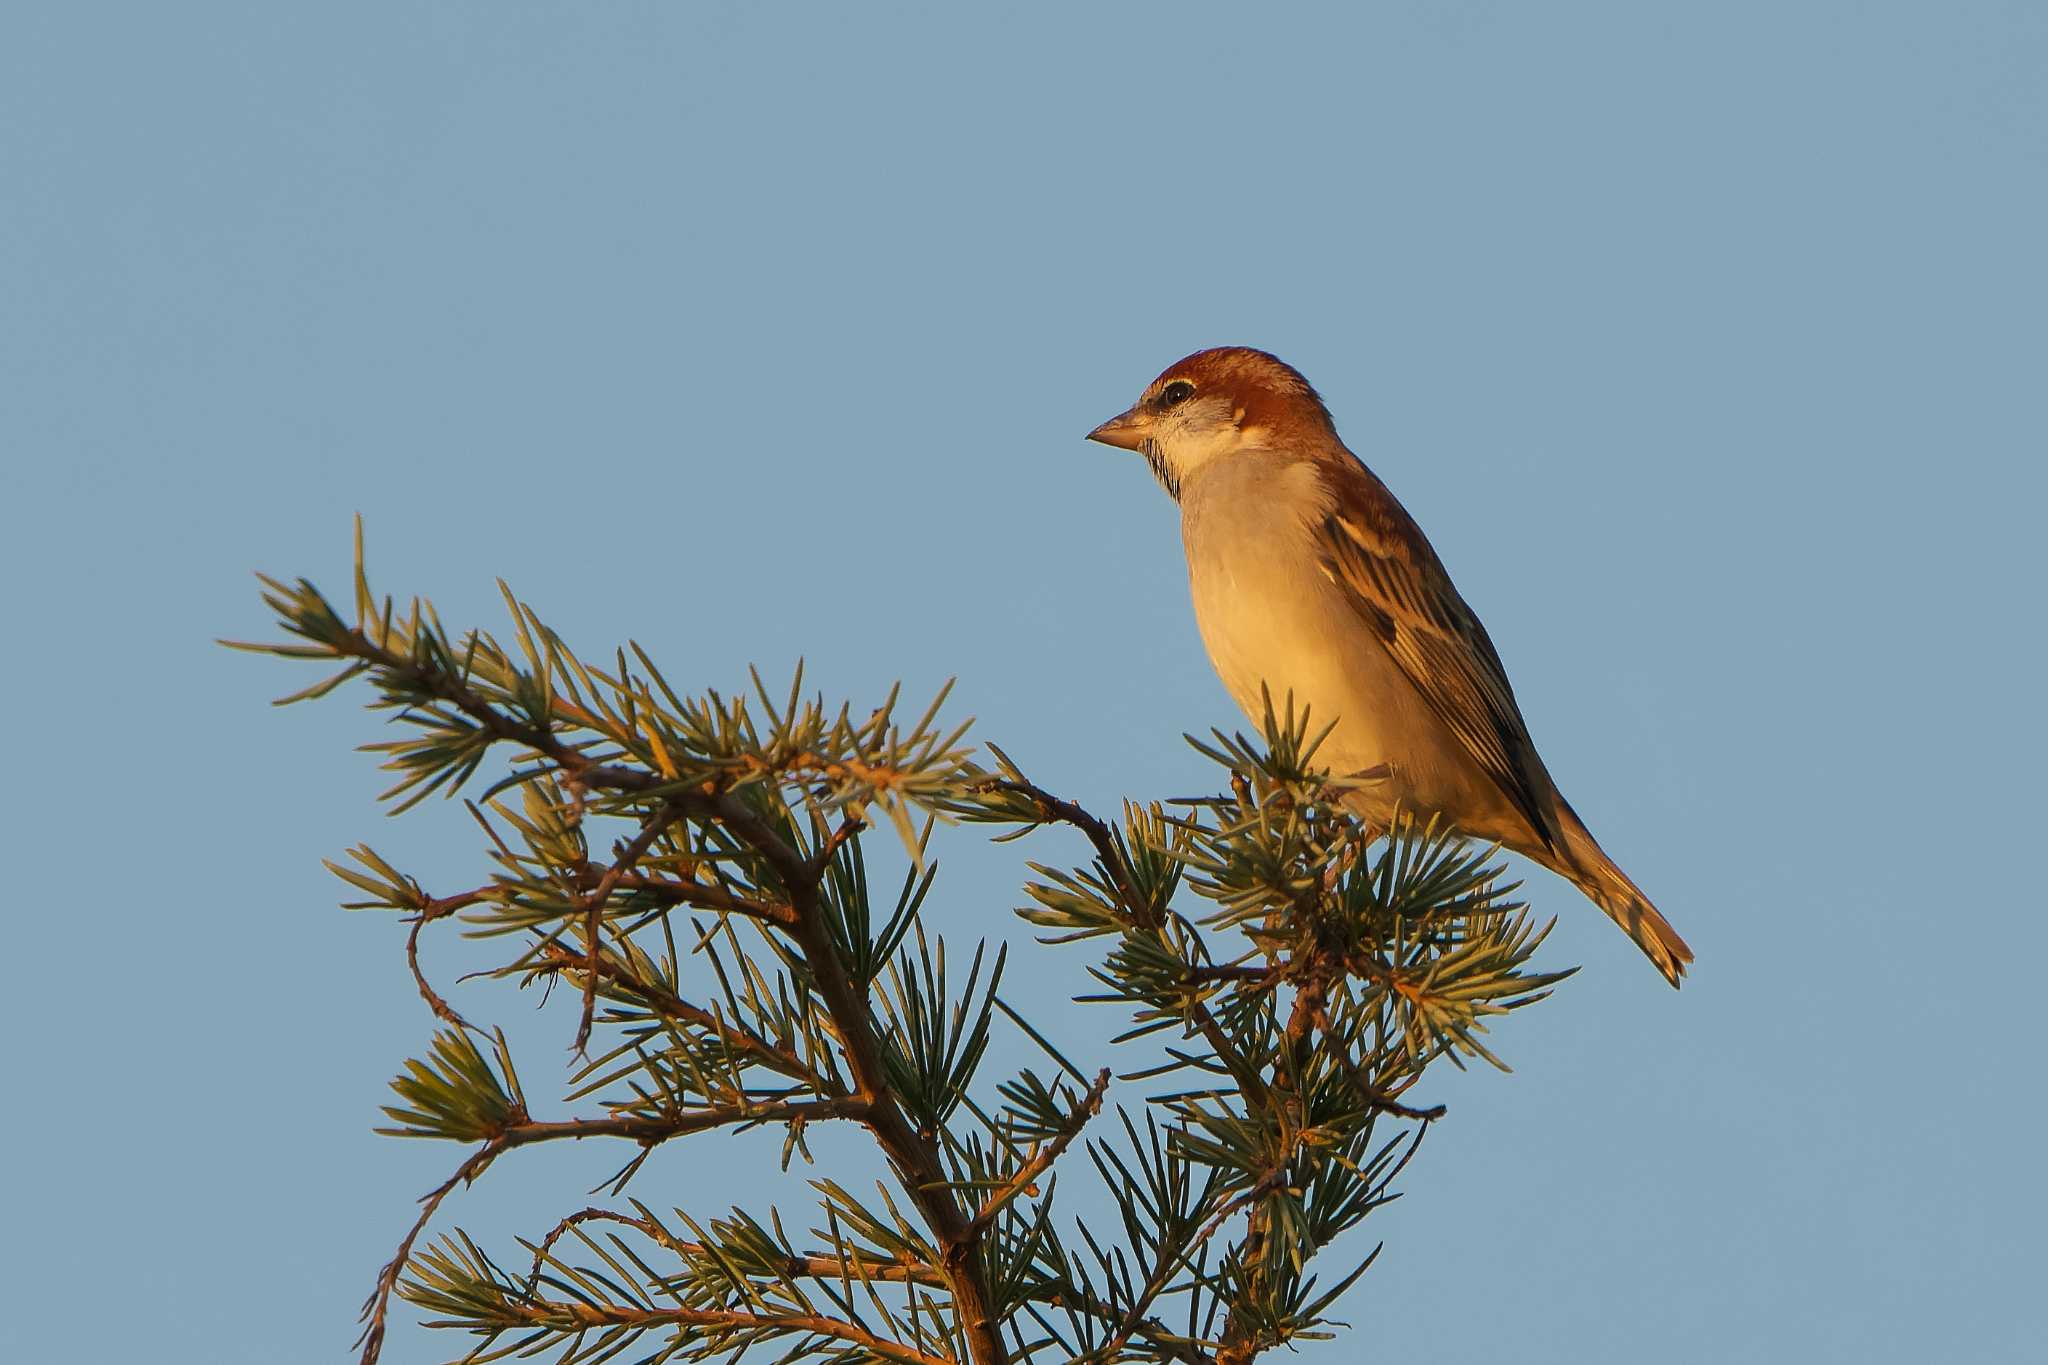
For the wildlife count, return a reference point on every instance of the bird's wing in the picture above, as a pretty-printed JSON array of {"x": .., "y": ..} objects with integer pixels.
[{"x": 1374, "y": 551}]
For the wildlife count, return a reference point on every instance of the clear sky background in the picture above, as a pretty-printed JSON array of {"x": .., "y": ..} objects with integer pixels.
[{"x": 1709, "y": 343}]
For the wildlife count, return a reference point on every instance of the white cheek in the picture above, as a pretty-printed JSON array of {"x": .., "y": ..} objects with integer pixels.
[{"x": 1187, "y": 452}]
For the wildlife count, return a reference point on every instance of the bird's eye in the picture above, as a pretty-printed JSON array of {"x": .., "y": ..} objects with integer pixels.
[{"x": 1176, "y": 393}]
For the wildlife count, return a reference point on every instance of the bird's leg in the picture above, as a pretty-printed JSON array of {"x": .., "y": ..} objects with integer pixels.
[
  {"x": 1334, "y": 871},
  {"x": 1335, "y": 797}
]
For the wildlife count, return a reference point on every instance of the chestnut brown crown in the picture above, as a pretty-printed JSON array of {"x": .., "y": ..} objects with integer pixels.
[
  {"x": 1241, "y": 372},
  {"x": 1249, "y": 388}
]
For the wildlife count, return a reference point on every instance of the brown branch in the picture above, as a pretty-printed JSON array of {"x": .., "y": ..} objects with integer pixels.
[
  {"x": 1311, "y": 977},
  {"x": 656, "y": 824},
  {"x": 1310, "y": 1007},
  {"x": 578, "y": 1316},
  {"x": 1110, "y": 855},
  {"x": 818, "y": 1266},
  {"x": 648, "y": 1132},
  {"x": 378, "y": 1304},
  {"x": 656, "y": 998},
  {"x": 667, "y": 1003},
  {"x": 1054, "y": 808},
  {"x": 702, "y": 896},
  {"x": 431, "y": 910},
  {"x": 815, "y": 1266},
  {"x": 447, "y": 687},
  {"x": 1135, "y": 1322},
  {"x": 1257, "y": 1093},
  {"x": 1161, "y": 1337},
  {"x": 828, "y": 1266},
  {"x": 821, "y": 860},
  {"x": 1170, "y": 1260},
  {"x": 1258, "y": 976},
  {"x": 1239, "y": 1346},
  {"x": 1373, "y": 1095},
  {"x": 651, "y": 1129},
  {"x": 914, "y": 1156},
  {"x": 1027, "y": 1174}
]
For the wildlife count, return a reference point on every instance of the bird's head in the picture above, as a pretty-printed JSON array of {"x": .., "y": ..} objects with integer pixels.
[{"x": 1215, "y": 404}]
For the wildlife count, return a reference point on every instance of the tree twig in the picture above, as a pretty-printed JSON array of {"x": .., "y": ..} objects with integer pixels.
[
  {"x": 702, "y": 896},
  {"x": 647, "y": 1131},
  {"x": 378, "y": 1305},
  {"x": 1370, "y": 1093},
  {"x": 551, "y": 1312},
  {"x": 1028, "y": 1174},
  {"x": 914, "y": 1156},
  {"x": 815, "y": 1266},
  {"x": 660, "y": 1000},
  {"x": 426, "y": 914},
  {"x": 1109, "y": 854},
  {"x": 655, "y": 825}
]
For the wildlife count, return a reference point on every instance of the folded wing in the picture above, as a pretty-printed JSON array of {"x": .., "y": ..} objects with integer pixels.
[{"x": 1373, "y": 549}]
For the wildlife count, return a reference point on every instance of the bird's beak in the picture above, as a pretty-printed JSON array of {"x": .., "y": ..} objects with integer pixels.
[{"x": 1127, "y": 430}]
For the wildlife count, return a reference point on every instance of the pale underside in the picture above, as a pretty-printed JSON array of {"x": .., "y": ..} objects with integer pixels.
[{"x": 1273, "y": 617}]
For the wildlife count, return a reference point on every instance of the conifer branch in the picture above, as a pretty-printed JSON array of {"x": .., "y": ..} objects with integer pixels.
[
  {"x": 442, "y": 1009},
  {"x": 577, "y": 1316},
  {"x": 648, "y": 1132},
  {"x": 628, "y": 857},
  {"x": 1041, "y": 1161},
  {"x": 810, "y": 1266},
  {"x": 1314, "y": 970},
  {"x": 669, "y": 1005},
  {"x": 1110, "y": 856}
]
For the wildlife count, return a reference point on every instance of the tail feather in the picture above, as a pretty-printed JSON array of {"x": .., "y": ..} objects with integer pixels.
[{"x": 1608, "y": 887}]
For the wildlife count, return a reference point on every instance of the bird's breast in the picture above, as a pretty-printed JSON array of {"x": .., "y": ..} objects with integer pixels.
[{"x": 1273, "y": 620}]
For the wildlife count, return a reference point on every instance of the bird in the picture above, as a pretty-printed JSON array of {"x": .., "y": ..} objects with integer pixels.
[{"x": 1311, "y": 580}]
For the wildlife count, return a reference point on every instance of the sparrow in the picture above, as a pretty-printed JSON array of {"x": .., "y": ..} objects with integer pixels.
[{"x": 1310, "y": 579}]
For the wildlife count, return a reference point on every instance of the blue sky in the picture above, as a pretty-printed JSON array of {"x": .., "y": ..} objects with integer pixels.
[{"x": 1707, "y": 342}]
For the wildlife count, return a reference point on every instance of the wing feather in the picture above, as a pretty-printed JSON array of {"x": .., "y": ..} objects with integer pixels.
[{"x": 1379, "y": 556}]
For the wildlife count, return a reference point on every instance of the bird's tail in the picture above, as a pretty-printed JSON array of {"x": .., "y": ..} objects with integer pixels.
[{"x": 1608, "y": 887}]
